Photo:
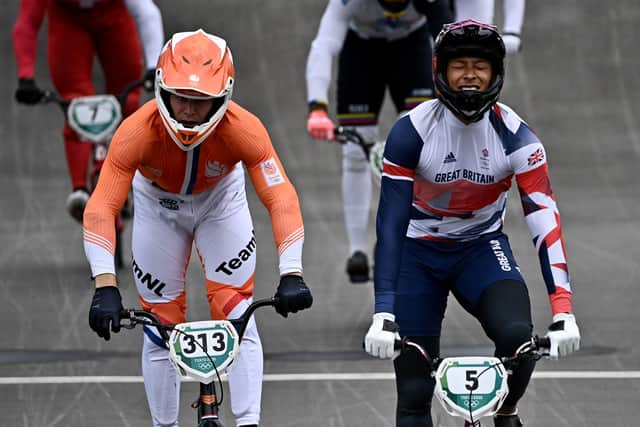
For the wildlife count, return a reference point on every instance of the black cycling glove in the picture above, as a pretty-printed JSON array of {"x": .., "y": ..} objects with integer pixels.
[
  {"x": 105, "y": 309},
  {"x": 28, "y": 92},
  {"x": 292, "y": 295}
]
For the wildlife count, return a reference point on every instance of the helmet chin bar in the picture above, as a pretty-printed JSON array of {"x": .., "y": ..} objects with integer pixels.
[
  {"x": 469, "y": 105},
  {"x": 472, "y": 39}
]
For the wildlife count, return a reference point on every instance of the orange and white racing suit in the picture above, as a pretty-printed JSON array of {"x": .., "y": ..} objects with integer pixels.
[{"x": 182, "y": 197}]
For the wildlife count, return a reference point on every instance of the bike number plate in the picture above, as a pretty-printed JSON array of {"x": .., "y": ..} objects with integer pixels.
[
  {"x": 471, "y": 387},
  {"x": 94, "y": 118},
  {"x": 376, "y": 155},
  {"x": 202, "y": 350}
]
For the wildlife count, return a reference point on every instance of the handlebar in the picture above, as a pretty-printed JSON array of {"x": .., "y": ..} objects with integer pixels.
[
  {"x": 53, "y": 97},
  {"x": 241, "y": 322},
  {"x": 136, "y": 317},
  {"x": 344, "y": 135},
  {"x": 536, "y": 347}
]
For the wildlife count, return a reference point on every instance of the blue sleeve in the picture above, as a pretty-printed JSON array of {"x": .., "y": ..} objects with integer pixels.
[{"x": 401, "y": 155}]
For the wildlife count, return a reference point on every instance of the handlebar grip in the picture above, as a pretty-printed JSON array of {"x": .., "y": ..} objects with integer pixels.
[
  {"x": 397, "y": 345},
  {"x": 543, "y": 342}
]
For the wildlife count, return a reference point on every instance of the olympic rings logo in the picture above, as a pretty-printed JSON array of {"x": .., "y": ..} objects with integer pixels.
[
  {"x": 205, "y": 365},
  {"x": 474, "y": 403}
]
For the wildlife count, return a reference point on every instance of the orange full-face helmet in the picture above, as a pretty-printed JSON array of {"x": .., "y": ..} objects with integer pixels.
[{"x": 198, "y": 64}]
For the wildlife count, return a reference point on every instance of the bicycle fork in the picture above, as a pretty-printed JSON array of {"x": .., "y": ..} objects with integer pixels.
[{"x": 207, "y": 405}]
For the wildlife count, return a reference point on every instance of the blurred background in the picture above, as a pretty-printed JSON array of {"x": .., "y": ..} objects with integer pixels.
[{"x": 575, "y": 82}]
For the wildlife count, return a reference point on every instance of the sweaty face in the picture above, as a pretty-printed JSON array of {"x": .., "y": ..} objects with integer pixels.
[
  {"x": 469, "y": 73},
  {"x": 190, "y": 112}
]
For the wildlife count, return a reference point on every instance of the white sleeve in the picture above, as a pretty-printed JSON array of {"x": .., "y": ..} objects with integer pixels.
[
  {"x": 479, "y": 10},
  {"x": 513, "y": 16},
  {"x": 328, "y": 42},
  {"x": 99, "y": 252},
  {"x": 149, "y": 22}
]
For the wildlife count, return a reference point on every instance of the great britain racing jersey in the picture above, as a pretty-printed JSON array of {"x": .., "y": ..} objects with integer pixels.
[
  {"x": 443, "y": 180},
  {"x": 142, "y": 144}
]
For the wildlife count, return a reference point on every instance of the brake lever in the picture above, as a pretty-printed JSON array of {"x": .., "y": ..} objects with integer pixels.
[{"x": 130, "y": 318}]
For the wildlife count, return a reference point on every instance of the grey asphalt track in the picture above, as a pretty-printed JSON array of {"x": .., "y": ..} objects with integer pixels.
[{"x": 576, "y": 83}]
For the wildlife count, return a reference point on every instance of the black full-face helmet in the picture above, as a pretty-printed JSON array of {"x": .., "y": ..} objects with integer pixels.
[
  {"x": 394, "y": 7},
  {"x": 475, "y": 39}
]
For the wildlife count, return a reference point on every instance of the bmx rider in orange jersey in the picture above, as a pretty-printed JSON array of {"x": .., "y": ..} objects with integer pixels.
[{"x": 183, "y": 154}]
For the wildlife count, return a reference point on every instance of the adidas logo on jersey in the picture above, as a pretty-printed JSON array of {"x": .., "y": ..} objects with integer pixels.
[{"x": 450, "y": 158}]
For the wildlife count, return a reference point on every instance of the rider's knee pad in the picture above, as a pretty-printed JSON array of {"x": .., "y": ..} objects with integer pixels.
[
  {"x": 511, "y": 336},
  {"x": 414, "y": 384}
]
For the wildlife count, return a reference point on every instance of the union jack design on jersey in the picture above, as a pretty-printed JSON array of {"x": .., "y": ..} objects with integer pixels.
[
  {"x": 535, "y": 157},
  {"x": 463, "y": 200}
]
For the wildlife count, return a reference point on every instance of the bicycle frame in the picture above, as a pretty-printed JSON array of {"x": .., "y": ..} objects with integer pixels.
[
  {"x": 194, "y": 344},
  {"x": 473, "y": 387}
]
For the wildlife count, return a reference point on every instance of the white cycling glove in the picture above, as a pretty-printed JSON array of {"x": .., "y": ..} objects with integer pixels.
[
  {"x": 564, "y": 335},
  {"x": 381, "y": 336},
  {"x": 511, "y": 43}
]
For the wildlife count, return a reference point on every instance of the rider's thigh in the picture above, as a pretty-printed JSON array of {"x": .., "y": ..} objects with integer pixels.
[
  {"x": 226, "y": 244},
  {"x": 70, "y": 69},
  {"x": 504, "y": 311},
  {"x": 119, "y": 50},
  {"x": 162, "y": 238}
]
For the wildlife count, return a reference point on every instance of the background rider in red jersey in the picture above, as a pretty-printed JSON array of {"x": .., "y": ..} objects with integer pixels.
[{"x": 102, "y": 28}]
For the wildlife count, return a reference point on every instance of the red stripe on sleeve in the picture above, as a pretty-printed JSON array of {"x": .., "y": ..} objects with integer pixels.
[
  {"x": 561, "y": 301},
  {"x": 394, "y": 170}
]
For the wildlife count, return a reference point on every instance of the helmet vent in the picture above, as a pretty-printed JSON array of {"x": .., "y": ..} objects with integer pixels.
[
  {"x": 208, "y": 62},
  {"x": 185, "y": 59}
]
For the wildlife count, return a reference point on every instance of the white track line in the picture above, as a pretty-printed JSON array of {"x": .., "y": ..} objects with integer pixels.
[{"x": 588, "y": 375}]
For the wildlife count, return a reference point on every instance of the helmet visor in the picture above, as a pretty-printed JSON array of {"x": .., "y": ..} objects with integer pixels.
[
  {"x": 201, "y": 107},
  {"x": 470, "y": 38},
  {"x": 470, "y": 28}
]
